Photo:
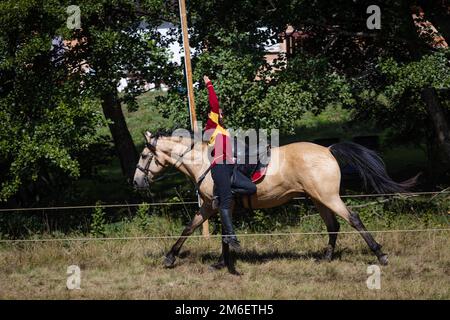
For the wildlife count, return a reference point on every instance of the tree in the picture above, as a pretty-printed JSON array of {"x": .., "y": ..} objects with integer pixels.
[
  {"x": 230, "y": 40},
  {"x": 119, "y": 39},
  {"x": 338, "y": 31},
  {"x": 428, "y": 33},
  {"x": 228, "y": 36},
  {"x": 55, "y": 80},
  {"x": 46, "y": 119}
]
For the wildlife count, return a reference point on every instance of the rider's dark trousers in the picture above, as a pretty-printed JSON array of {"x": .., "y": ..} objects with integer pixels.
[{"x": 221, "y": 174}]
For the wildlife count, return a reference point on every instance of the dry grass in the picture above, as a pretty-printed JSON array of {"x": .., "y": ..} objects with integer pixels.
[{"x": 282, "y": 267}]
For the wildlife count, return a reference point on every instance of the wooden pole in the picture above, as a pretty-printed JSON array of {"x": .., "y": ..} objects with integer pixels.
[
  {"x": 189, "y": 83},
  {"x": 187, "y": 64}
]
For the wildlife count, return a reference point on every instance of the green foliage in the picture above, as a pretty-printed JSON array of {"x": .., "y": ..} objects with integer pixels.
[
  {"x": 49, "y": 121},
  {"x": 51, "y": 106},
  {"x": 395, "y": 96},
  {"x": 164, "y": 225},
  {"x": 142, "y": 218},
  {"x": 376, "y": 213},
  {"x": 328, "y": 85},
  {"x": 174, "y": 108},
  {"x": 431, "y": 71},
  {"x": 48, "y": 99},
  {"x": 98, "y": 223},
  {"x": 230, "y": 39},
  {"x": 119, "y": 39},
  {"x": 253, "y": 98}
]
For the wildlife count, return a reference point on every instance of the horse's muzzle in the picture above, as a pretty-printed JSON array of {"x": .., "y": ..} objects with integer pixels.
[{"x": 140, "y": 184}]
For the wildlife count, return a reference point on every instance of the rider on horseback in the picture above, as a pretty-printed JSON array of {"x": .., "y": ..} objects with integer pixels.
[{"x": 222, "y": 164}]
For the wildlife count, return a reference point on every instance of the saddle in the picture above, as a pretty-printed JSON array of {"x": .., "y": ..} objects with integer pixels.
[{"x": 251, "y": 163}]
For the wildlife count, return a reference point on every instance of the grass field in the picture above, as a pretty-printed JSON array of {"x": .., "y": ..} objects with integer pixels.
[{"x": 275, "y": 267}]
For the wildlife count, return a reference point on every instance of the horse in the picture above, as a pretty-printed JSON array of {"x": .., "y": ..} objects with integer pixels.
[{"x": 294, "y": 169}]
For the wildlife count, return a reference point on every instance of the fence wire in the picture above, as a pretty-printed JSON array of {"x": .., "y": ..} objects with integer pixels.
[{"x": 155, "y": 204}]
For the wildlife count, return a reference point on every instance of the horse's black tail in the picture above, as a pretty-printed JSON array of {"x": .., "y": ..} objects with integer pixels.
[{"x": 370, "y": 167}]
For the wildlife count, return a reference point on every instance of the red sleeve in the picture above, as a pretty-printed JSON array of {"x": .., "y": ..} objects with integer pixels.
[
  {"x": 213, "y": 106},
  {"x": 213, "y": 101}
]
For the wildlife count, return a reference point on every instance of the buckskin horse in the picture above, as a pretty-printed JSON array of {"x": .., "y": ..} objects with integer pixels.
[{"x": 294, "y": 169}]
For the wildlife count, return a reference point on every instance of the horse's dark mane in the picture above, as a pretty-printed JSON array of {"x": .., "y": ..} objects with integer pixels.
[{"x": 168, "y": 133}]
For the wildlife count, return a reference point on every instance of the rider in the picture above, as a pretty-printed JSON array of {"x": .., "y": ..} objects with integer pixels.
[{"x": 222, "y": 164}]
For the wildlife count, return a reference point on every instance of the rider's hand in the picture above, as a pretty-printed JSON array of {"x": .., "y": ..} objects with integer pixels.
[{"x": 206, "y": 79}]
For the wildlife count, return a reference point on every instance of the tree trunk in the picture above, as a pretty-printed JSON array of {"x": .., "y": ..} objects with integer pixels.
[
  {"x": 440, "y": 124},
  {"x": 429, "y": 34},
  {"x": 124, "y": 145}
]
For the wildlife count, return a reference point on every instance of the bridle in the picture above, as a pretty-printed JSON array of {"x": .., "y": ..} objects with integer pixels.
[
  {"x": 152, "y": 148},
  {"x": 146, "y": 169}
]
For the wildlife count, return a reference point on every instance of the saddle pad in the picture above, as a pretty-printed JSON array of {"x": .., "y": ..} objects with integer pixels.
[{"x": 259, "y": 174}]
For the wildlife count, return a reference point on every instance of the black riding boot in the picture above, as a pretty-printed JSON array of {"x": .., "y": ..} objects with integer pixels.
[{"x": 229, "y": 237}]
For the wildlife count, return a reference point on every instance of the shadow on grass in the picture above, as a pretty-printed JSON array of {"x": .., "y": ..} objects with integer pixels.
[
  {"x": 259, "y": 257},
  {"x": 256, "y": 257}
]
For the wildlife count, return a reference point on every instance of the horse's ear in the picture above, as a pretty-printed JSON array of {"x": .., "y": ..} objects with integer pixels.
[
  {"x": 148, "y": 140},
  {"x": 147, "y": 136}
]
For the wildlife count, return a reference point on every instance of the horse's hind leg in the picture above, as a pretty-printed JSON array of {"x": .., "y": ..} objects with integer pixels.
[
  {"x": 335, "y": 204},
  {"x": 356, "y": 223},
  {"x": 333, "y": 227},
  {"x": 199, "y": 218}
]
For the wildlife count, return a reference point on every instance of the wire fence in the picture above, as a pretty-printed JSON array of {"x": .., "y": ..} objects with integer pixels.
[
  {"x": 87, "y": 239},
  {"x": 433, "y": 194},
  {"x": 192, "y": 202}
]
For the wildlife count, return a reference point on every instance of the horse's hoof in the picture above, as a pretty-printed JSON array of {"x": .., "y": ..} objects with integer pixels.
[
  {"x": 184, "y": 254},
  {"x": 383, "y": 259},
  {"x": 217, "y": 266},
  {"x": 169, "y": 261},
  {"x": 235, "y": 273},
  {"x": 328, "y": 257}
]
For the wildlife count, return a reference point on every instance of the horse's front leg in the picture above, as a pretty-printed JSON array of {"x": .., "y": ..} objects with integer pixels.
[{"x": 199, "y": 218}]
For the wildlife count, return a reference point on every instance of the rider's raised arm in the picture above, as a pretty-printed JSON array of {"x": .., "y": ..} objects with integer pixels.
[
  {"x": 213, "y": 101},
  {"x": 213, "y": 117}
]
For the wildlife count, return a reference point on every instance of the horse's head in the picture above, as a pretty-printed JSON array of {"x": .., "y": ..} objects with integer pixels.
[{"x": 150, "y": 163}]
